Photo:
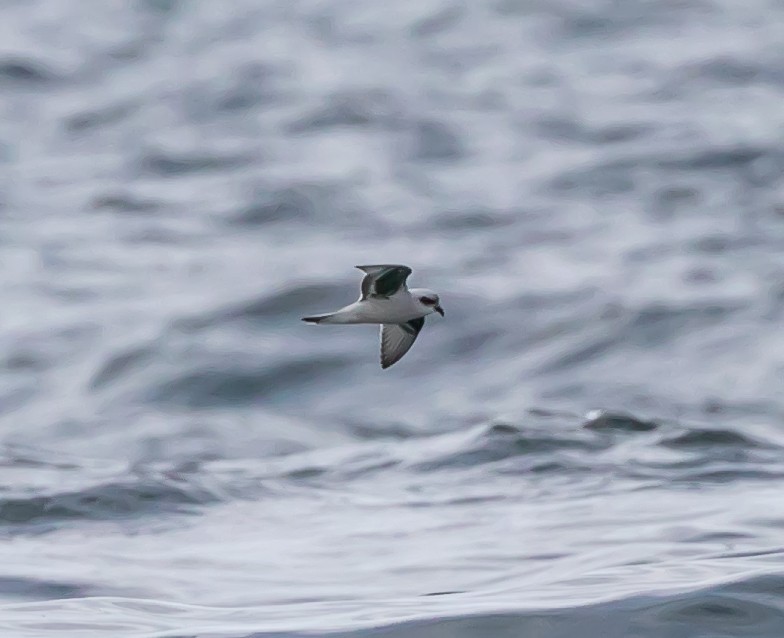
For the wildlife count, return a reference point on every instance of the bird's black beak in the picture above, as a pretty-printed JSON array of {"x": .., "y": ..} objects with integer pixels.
[{"x": 439, "y": 310}]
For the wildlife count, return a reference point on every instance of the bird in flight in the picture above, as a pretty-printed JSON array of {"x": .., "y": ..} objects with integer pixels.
[{"x": 385, "y": 299}]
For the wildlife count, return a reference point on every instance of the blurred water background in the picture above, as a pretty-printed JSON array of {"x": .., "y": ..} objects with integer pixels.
[{"x": 589, "y": 444}]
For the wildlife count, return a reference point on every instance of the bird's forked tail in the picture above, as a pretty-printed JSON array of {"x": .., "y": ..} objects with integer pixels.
[{"x": 318, "y": 318}]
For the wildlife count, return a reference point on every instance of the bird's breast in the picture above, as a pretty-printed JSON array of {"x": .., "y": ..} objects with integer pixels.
[{"x": 395, "y": 309}]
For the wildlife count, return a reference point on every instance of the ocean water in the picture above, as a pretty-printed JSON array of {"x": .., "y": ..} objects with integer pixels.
[{"x": 590, "y": 443}]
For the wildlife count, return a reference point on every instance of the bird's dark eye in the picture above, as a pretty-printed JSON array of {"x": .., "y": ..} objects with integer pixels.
[{"x": 428, "y": 301}]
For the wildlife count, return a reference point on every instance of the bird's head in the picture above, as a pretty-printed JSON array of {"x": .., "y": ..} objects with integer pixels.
[{"x": 428, "y": 300}]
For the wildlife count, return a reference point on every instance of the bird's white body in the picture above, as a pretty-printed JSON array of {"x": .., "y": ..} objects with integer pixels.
[
  {"x": 386, "y": 300},
  {"x": 400, "y": 307}
]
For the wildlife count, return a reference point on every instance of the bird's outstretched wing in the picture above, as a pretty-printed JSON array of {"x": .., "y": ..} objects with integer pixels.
[
  {"x": 397, "y": 339},
  {"x": 383, "y": 280}
]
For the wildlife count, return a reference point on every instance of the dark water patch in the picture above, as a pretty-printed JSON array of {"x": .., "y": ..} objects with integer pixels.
[
  {"x": 71, "y": 294},
  {"x": 15, "y": 457},
  {"x": 301, "y": 299},
  {"x": 618, "y": 133},
  {"x": 294, "y": 299},
  {"x": 587, "y": 24},
  {"x": 581, "y": 351},
  {"x": 39, "y": 589},
  {"x": 353, "y": 109},
  {"x": 501, "y": 441},
  {"x": 616, "y": 422},
  {"x": 14, "y": 398},
  {"x": 669, "y": 200},
  {"x": 124, "y": 202},
  {"x": 734, "y": 473},
  {"x": 318, "y": 468},
  {"x": 733, "y": 71},
  {"x": 158, "y": 235},
  {"x": 700, "y": 276},
  {"x": 127, "y": 52},
  {"x": 20, "y": 360},
  {"x": 364, "y": 464},
  {"x": 30, "y": 588},
  {"x": 771, "y": 521},
  {"x": 26, "y": 71},
  {"x": 716, "y": 612},
  {"x": 713, "y": 611},
  {"x": 436, "y": 142},
  {"x": 469, "y": 220},
  {"x": 300, "y": 202},
  {"x": 560, "y": 128},
  {"x": 706, "y": 438},
  {"x": 755, "y": 165},
  {"x": 772, "y": 554},
  {"x": 730, "y": 71},
  {"x": 597, "y": 181},
  {"x": 768, "y": 584},
  {"x": 548, "y": 413},
  {"x": 231, "y": 387},
  {"x": 427, "y": 502},
  {"x": 236, "y": 93},
  {"x": 248, "y": 87},
  {"x": 473, "y": 341},
  {"x": 461, "y": 58},
  {"x": 160, "y": 8},
  {"x": 129, "y": 498},
  {"x": 727, "y": 538},
  {"x": 315, "y": 468},
  {"x": 99, "y": 118},
  {"x": 443, "y": 19},
  {"x": 122, "y": 364},
  {"x": 579, "y": 24},
  {"x": 36, "y": 350},
  {"x": 738, "y": 156},
  {"x": 307, "y": 202},
  {"x": 169, "y": 163},
  {"x": 553, "y": 301},
  {"x": 543, "y": 467},
  {"x": 716, "y": 243},
  {"x": 567, "y": 129},
  {"x": 503, "y": 429},
  {"x": 379, "y": 431},
  {"x": 658, "y": 323},
  {"x": 470, "y": 626},
  {"x": 306, "y": 473}
]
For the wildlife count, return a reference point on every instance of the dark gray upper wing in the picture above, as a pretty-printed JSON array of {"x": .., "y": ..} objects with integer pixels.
[
  {"x": 397, "y": 339},
  {"x": 383, "y": 280}
]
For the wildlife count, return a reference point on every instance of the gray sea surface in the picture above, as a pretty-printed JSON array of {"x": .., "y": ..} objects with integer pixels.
[{"x": 590, "y": 443}]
